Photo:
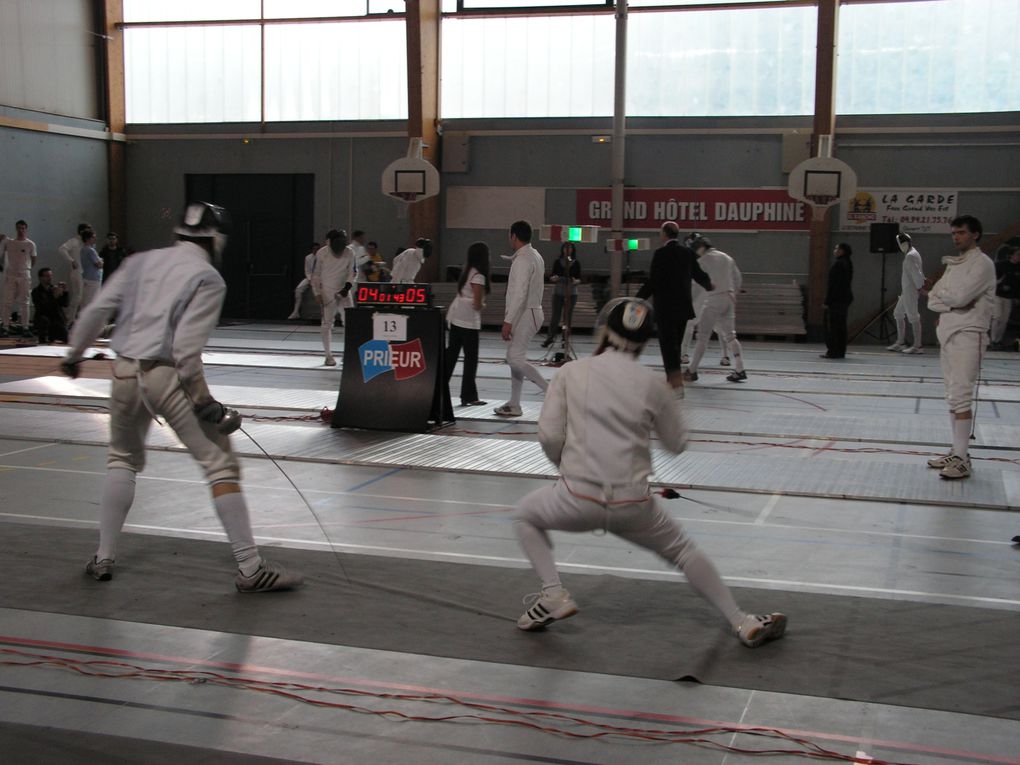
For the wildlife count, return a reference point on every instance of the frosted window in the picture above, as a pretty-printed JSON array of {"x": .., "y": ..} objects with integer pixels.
[
  {"x": 929, "y": 57},
  {"x": 758, "y": 62},
  {"x": 534, "y": 66},
  {"x": 192, "y": 74},
  {"x": 336, "y": 71},
  {"x": 473, "y": 5},
  {"x": 190, "y": 10},
  {"x": 296, "y": 9},
  {"x": 386, "y": 6}
]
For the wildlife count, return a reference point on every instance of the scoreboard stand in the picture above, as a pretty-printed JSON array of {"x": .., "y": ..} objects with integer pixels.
[{"x": 393, "y": 375}]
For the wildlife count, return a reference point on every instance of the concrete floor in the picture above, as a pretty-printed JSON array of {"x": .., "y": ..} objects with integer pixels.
[{"x": 798, "y": 417}]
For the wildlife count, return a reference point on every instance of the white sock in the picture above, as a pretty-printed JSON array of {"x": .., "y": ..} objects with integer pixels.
[
  {"x": 961, "y": 436},
  {"x": 916, "y": 328},
  {"x": 233, "y": 513},
  {"x": 704, "y": 577},
  {"x": 118, "y": 495}
]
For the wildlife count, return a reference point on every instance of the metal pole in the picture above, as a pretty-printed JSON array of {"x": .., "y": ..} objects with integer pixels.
[{"x": 619, "y": 154}]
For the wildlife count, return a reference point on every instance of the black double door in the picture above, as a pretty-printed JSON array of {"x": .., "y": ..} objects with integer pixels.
[{"x": 272, "y": 228}]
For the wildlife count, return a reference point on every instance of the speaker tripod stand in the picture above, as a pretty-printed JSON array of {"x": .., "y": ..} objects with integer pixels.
[{"x": 882, "y": 327}]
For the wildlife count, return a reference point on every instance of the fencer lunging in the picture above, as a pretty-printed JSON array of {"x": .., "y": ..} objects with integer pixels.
[
  {"x": 332, "y": 279},
  {"x": 168, "y": 302},
  {"x": 964, "y": 299},
  {"x": 596, "y": 426},
  {"x": 523, "y": 316},
  {"x": 719, "y": 310},
  {"x": 912, "y": 281}
]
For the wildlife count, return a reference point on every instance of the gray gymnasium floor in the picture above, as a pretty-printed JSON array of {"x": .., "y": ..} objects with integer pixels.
[{"x": 806, "y": 485}]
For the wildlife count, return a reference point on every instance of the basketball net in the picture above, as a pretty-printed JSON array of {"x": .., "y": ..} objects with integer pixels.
[
  {"x": 403, "y": 199},
  {"x": 819, "y": 204}
]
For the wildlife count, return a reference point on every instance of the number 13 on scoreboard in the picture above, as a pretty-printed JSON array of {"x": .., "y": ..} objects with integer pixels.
[{"x": 389, "y": 326}]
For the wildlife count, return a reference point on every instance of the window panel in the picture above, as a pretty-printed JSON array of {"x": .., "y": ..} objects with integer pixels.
[
  {"x": 386, "y": 6},
  {"x": 192, "y": 74},
  {"x": 721, "y": 63},
  {"x": 190, "y": 10},
  {"x": 299, "y": 9},
  {"x": 336, "y": 71},
  {"x": 474, "y": 5},
  {"x": 534, "y": 66},
  {"x": 929, "y": 57}
]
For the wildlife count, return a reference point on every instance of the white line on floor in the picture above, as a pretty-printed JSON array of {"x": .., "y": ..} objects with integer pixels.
[{"x": 765, "y": 511}]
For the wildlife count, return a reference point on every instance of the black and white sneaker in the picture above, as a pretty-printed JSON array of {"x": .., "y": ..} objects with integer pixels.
[
  {"x": 100, "y": 570},
  {"x": 758, "y": 629},
  {"x": 545, "y": 608},
  {"x": 268, "y": 577},
  {"x": 737, "y": 376}
]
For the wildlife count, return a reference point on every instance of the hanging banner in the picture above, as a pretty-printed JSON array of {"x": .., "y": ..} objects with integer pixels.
[
  {"x": 701, "y": 209},
  {"x": 918, "y": 211}
]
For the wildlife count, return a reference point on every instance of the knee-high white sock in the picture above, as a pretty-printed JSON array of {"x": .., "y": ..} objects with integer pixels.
[
  {"x": 536, "y": 545},
  {"x": 327, "y": 336},
  {"x": 118, "y": 495},
  {"x": 901, "y": 330},
  {"x": 961, "y": 436},
  {"x": 738, "y": 356},
  {"x": 516, "y": 388},
  {"x": 915, "y": 327},
  {"x": 703, "y": 576},
  {"x": 233, "y": 513}
]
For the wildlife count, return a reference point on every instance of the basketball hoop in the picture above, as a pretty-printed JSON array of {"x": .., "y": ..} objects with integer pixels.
[
  {"x": 406, "y": 196},
  {"x": 819, "y": 204}
]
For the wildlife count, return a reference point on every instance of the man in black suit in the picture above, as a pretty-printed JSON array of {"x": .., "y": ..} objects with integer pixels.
[
  {"x": 838, "y": 298},
  {"x": 669, "y": 286}
]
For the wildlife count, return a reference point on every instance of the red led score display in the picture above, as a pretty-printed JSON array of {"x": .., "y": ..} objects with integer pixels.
[{"x": 390, "y": 293}]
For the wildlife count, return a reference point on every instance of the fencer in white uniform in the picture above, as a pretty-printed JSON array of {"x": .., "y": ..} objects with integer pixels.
[
  {"x": 596, "y": 427},
  {"x": 70, "y": 253},
  {"x": 719, "y": 310},
  {"x": 523, "y": 315},
  {"x": 698, "y": 295},
  {"x": 167, "y": 303},
  {"x": 17, "y": 258},
  {"x": 332, "y": 282},
  {"x": 304, "y": 284},
  {"x": 911, "y": 283},
  {"x": 407, "y": 264},
  {"x": 964, "y": 299}
]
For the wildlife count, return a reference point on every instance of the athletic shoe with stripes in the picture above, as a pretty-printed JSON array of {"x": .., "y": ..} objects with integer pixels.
[
  {"x": 268, "y": 577},
  {"x": 546, "y": 608},
  {"x": 100, "y": 570},
  {"x": 959, "y": 467},
  {"x": 758, "y": 629},
  {"x": 941, "y": 462}
]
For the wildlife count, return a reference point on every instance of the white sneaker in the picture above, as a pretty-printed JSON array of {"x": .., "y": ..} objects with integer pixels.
[
  {"x": 896, "y": 347},
  {"x": 913, "y": 349},
  {"x": 508, "y": 410},
  {"x": 268, "y": 577},
  {"x": 330, "y": 361},
  {"x": 544, "y": 609},
  {"x": 758, "y": 629},
  {"x": 724, "y": 361},
  {"x": 959, "y": 467},
  {"x": 293, "y": 316},
  {"x": 940, "y": 462}
]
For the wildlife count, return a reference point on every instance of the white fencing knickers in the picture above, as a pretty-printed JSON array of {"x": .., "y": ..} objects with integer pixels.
[
  {"x": 89, "y": 291},
  {"x": 906, "y": 310},
  {"x": 719, "y": 313},
  {"x": 329, "y": 309},
  {"x": 74, "y": 282},
  {"x": 960, "y": 355},
  {"x": 156, "y": 382},
  {"x": 299, "y": 293},
  {"x": 15, "y": 297},
  {"x": 517, "y": 354}
]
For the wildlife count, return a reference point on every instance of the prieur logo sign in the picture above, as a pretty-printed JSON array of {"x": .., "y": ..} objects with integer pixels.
[{"x": 405, "y": 360}]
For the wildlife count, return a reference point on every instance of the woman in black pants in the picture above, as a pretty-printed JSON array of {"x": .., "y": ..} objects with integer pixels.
[
  {"x": 565, "y": 263},
  {"x": 465, "y": 319}
]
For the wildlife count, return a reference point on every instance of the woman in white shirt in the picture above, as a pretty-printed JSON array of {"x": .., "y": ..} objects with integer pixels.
[{"x": 465, "y": 319}]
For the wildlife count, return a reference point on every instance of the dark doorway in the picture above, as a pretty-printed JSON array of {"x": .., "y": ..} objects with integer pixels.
[{"x": 264, "y": 258}]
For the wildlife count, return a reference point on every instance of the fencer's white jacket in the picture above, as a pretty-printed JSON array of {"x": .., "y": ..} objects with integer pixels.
[
  {"x": 168, "y": 302},
  {"x": 964, "y": 297},
  {"x": 70, "y": 250},
  {"x": 309, "y": 266},
  {"x": 407, "y": 264},
  {"x": 17, "y": 257},
  {"x": 332, "y": 272},
  {"x": 722, "y": 270},
  {"x": 525, "y": 285},
  {"x": 597, "y": 420},
  {"x": 913, "y": 275}
]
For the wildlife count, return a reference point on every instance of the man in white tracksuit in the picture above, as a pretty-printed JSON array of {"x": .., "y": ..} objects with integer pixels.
[
  {"x": 70, "y": 253},
  {"x": 407, "y": 264},
  {"x": 332, "y": 281},
  {"x": 304, "y": 284},
  {"x": 17, "y": 258},
  {"x": 523, "y": 316},
  {"x": 167, "y": 303},
  {"x": 596, "y": 427},
  {"x": 964, "y": 299},
  {"x": 719, "y": 310},
  {"x": 911, "y": 283}
]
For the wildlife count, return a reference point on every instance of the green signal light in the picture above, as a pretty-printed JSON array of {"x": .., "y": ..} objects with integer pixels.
[
  {"x": 633, "y": 244},
  {"x": 574, "y": 234}
]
